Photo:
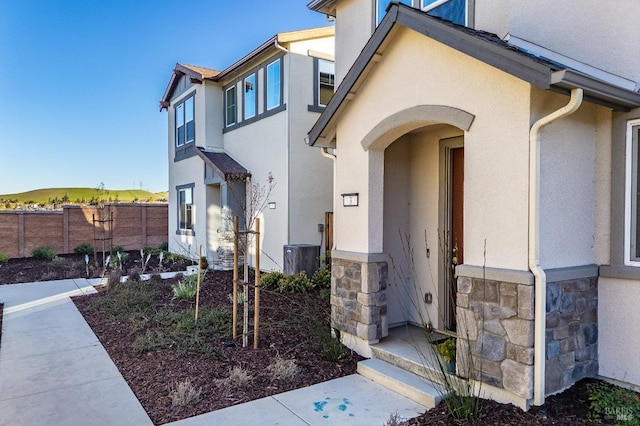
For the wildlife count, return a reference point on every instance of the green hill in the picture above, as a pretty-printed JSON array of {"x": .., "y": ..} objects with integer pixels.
[{"x": 83, "y": 195}]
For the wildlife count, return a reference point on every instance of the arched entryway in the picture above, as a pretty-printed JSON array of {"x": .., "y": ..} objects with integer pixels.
[{"x": 423, "y": 210}]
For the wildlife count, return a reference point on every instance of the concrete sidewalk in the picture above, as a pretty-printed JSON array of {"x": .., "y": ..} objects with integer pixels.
[{"x": 54, "y": 371}]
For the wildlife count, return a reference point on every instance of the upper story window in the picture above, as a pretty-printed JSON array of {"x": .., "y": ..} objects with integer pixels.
[
  {"x": 250, "y": 98},
  {"x": 326, "y": 81},
  {"x": 230, "y": 110},
  {"x": 323, "y": 83},
  {"x": 255, "y": 95},
  {"x": 274, "y": 84},
  {"x": 185, "y": 122},
  {"x": 451, "y": 10},
  {"x": 632, "y": 199},
  {"x": 381, "y": 8}
]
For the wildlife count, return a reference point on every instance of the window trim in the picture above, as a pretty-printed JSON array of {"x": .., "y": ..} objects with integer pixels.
[
  {"x": 268, "y": 109},
  {"x": 179, "y": 229},
  {"x": 317, "y": 106},
  {"x": 438, "y": 3},
  {"x": 261, "y": 94},
  {"x": 632, "y": 149},
  {"x": 246, "y": 117},
  {"x": 183, "y": 103},
  {"x": 233, "y": 87},
  {"x": 377, "y": 18}
]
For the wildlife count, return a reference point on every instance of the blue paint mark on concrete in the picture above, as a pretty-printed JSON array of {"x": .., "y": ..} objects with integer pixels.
[
  {"x": 319, "y": 406},
  {"x": 335, "y": 406}
]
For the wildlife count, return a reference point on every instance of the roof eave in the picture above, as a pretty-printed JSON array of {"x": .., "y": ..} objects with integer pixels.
[
  {"x": 328, "y": 7},
  {"x": 248, "y": 57},
  {"x": 596, "y": 91},
  {"x": 173, "y": 81}
]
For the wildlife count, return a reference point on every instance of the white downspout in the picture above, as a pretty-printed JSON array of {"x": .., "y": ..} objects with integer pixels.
[{"x": 534, "y": 243}]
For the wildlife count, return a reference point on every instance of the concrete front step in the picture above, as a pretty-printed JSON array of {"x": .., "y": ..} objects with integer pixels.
[{"x": 405, "y": 383}]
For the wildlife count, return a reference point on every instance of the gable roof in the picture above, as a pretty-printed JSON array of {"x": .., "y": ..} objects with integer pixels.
[
  {"x": 196, "y": 75},
  {"x": 199, "y": 74},
  {"x": 223, "y": 165},
  {"x": 481, "y": 45}
]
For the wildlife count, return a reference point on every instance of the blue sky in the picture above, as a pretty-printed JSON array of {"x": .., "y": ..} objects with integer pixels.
[{"x": 80, "y": 81}]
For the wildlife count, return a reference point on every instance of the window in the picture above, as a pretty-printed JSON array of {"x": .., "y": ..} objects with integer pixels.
[
  {"x": 185, "y": 123},
  {"x": 185, "y": 209},
  {"x": 274, "y": 78},
  {"x": 381, "y": 8},
  {"x": 230, "y": 106},
  {"x": 451, "y": 10},
  {"x": 250, "y": 98},
  {"x": 632, "y": 200},
  {"x": 326, "y": 81}
]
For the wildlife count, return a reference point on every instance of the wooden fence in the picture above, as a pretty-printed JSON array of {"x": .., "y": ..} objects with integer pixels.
[{"x": 134, "y": 226}]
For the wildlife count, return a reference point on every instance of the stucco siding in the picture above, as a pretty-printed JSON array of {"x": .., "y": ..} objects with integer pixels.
[
  {"x": 310, "y": 178},
  {"x": 495, "y": 196},
  {"x": 185, "y": 172},
  {"x": 324, "y": 45},
  {"x": 213, "y": 105},
  {"x": 354, "y": 26},
  {"x": 261, "y": 148},
  {"x": 618, "y": 333},
  {"x": 567, "y": 191},
  {"x": 605, "y": 36}
]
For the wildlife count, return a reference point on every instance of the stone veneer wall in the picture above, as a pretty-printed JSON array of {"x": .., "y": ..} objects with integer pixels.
[
  {"x": 497, "y": 319},
  {"x": 572, "y": 332},
  {"x": 358, "y": 298}
]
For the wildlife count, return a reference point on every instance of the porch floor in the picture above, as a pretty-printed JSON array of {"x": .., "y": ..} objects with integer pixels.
[{"x": 408, "y": 347}]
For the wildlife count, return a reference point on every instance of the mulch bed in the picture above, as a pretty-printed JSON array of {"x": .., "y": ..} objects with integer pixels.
[
  {"x": 28, "y": 269},
  {"x": 284, "y": 333},
  {"x": 570, "y": 407},
  {"x": 151, "y": 374}
]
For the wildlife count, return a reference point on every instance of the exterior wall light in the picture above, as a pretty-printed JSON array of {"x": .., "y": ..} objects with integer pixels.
[
  {"x": 272, "y": 205},
  {"x": 350, "y": 199}
]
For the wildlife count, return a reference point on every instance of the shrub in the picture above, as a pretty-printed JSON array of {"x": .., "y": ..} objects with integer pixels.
[
  {"x": 613, "y": 403},
  {"x": 322, "y": 278},
  {"x": 187, "y": 287},
  {"x": 3, "y": 258},
  {"x": 271, "y": 280},
  {"x": 44, "y": 253},
  {"x": 284, "y": 283},
  {"x": 298, "y": 283},
  {"x": 84, "y": 248},
  {"x": 283, "y": 369},
  {"x": 184, "y": 393},
  {"x": 164, "y": 246},
  {"x": 152, "y": 251},
  {"x": 118, "y": 249},
  {"x": 238, "y": 378}
]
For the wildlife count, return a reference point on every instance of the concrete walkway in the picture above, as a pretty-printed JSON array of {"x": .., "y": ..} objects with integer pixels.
[{"x": 54, "y": 371}]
